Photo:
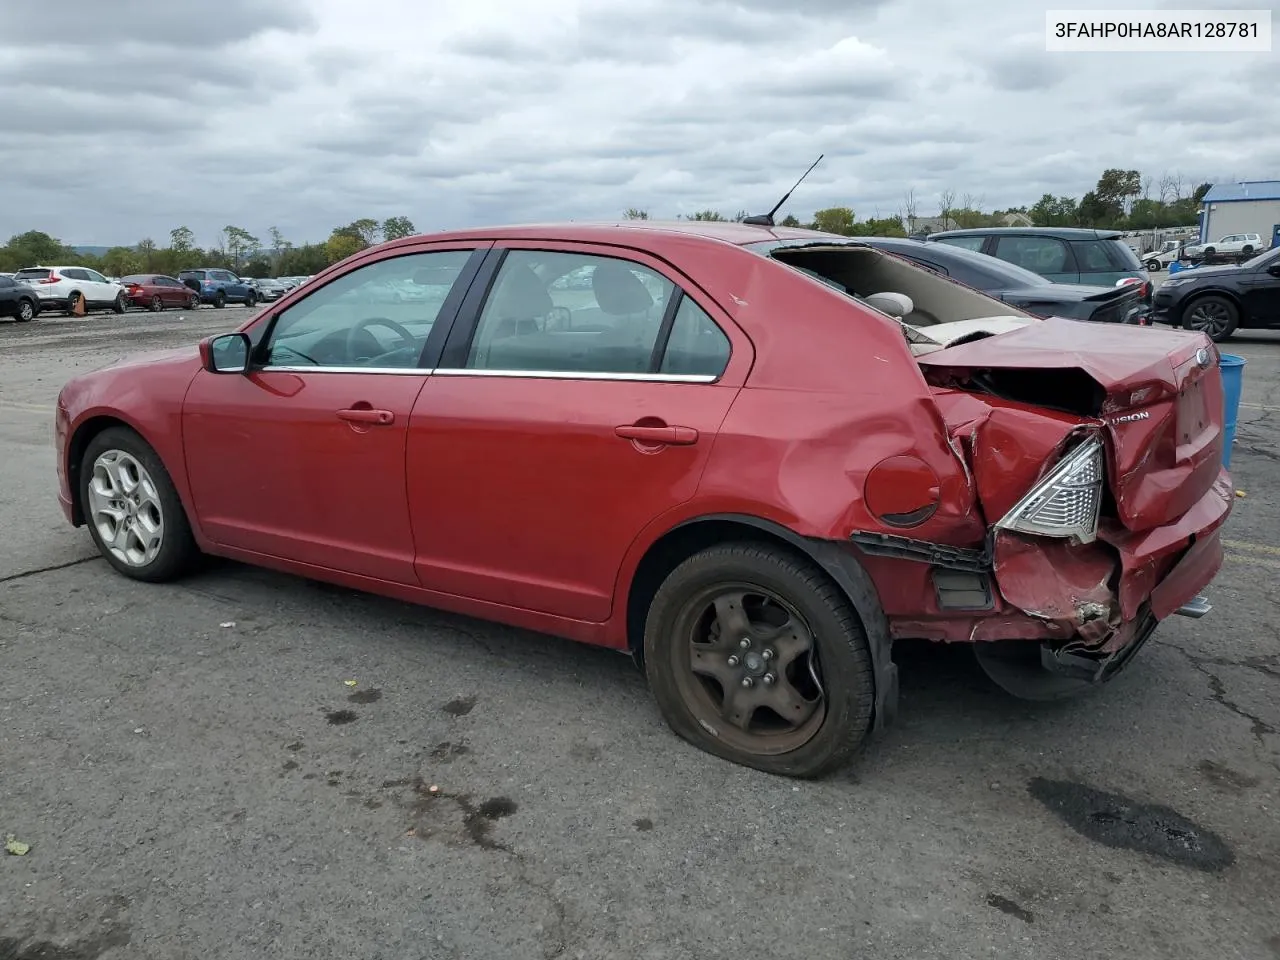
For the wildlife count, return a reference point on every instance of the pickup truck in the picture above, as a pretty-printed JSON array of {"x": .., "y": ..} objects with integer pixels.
[{"x": 1245, "y": 243}]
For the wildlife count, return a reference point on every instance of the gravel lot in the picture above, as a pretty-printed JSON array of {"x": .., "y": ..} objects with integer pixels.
[{"x": 196, "y": 779}]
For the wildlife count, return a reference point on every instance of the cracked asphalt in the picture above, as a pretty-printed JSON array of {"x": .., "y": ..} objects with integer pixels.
[{"x": 196, "y": 777}]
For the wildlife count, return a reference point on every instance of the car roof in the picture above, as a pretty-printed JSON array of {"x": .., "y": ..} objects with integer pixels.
[
  {"x": 993, "y": 266},
  {"x": 1058, "y": 233},
  {"x": 635, "y": 232}
]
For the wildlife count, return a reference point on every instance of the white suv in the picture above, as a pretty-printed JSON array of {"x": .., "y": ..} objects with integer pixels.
[
  {"x": 1245, "y": 243},
  {"x": 64, "y": 287}
]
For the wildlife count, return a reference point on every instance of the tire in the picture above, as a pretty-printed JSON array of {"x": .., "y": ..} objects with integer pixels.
[
  {"x": 157, "y": 304},
  {"x": 1154, "y": 266},
  {"x": 1213, "y": 315},
  {"x": 817, "y": 615},
  {"x": 219, "y": 299},
  {"x": 72, "y": 301},
  {"x": 174, "y": 549},
  {"x": 120, "y": 304},
  {"x": 193, "y": 302},
  {"x": 251, "y": 300},
  {"x": 1208, "y": 251},
  {"x": 1247, "y": 249},
  {"x": 26, "y": 311}
]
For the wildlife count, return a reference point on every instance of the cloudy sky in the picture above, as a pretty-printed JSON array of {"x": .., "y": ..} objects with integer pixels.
[{"x": 125, "y": 118}]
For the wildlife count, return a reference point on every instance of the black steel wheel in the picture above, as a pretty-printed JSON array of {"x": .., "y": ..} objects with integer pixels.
[{"x": 754, "y": 655}]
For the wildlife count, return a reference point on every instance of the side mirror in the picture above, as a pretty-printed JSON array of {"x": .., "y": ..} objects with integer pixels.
[
  {"x": 228, "y": 353},
  {"x": 1274, "y": 269}
]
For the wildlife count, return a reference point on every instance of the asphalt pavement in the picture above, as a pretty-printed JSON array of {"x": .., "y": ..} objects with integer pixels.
[{"x": 242, "y": 765}]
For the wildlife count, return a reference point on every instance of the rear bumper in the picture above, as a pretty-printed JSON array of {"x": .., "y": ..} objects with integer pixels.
[{"x": 1098, "y": 597}]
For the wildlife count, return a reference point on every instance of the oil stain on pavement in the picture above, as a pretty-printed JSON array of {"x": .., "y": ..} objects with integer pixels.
[
  {"x": 460, "y": 706},
  {"x": 1005, "y": 905},
  {"x": 1123, "y": 824},
  {"x": 372, "y": 695}
]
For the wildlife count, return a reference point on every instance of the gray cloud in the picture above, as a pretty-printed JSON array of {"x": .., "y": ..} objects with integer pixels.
[
  {"x": 188, "y": 24},
  {"x": 311, "y": 113}
]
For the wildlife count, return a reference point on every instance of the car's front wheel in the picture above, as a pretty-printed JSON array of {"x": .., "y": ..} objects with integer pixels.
[
  {"x": 132, "y": 509},
  {"x": 1212, "y": 315},
  {"x": 26, "y": 311},
  {"x": 1247, "y": 250},
  {"x": 754, "y": 655},
  {"x": 251, "y": 300}
]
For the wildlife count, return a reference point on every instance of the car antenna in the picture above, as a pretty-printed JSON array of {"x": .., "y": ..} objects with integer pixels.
[{"x": 766, "y": 220}]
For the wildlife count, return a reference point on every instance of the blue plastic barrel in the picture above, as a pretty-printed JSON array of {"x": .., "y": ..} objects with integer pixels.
[{"x": 1232, "y": 368}]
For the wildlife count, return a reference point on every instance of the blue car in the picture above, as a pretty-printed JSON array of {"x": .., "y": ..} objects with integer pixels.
[{"x": 219, "y": 287}]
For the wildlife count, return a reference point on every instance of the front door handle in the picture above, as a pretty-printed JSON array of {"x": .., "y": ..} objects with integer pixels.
[
  {"x": 367, "y": 415},
  {"x": 674, "y": 436}
]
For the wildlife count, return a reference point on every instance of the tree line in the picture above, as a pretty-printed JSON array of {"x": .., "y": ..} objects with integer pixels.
[
  {"x": 235, "y": 249},
  {"x": 1121, "y": 200}
]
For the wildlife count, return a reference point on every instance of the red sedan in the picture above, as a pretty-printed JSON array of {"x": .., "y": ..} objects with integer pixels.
[
  {"x": 156, "y": 292},
  {"x": 751, "y": 457}
]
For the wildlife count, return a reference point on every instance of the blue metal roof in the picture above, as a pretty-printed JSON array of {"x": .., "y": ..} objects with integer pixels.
[{"x": 1247, "y": 190}]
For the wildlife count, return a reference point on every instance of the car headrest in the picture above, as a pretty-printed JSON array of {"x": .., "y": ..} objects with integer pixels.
[
  {"x": 894, "y": 304},
  {"x": 520, "y": 295},
  {"x": 619, "y": 291}
]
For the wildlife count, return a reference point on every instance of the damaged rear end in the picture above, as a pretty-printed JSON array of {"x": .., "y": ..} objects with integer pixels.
[{"x": 1098, "y": 472}]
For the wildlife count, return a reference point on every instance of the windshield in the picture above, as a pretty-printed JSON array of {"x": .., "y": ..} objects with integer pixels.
[{"x": 1266, "y": 256}]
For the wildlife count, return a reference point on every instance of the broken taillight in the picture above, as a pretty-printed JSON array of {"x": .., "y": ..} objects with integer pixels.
[{"x": 1066, "y": 503}]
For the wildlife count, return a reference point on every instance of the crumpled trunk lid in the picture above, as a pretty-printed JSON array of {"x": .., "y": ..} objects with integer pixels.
[{"x": 1156, "y": 394}]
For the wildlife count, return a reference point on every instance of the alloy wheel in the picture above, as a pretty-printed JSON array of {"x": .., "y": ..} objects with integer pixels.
[
  {"x": 125, "y": 508},
  {"x": 26, "y": 312},
  {"x": 748, "y": 668},
  {"x": 156, "y": 304},
  {"x": 1210, "y": 317}
]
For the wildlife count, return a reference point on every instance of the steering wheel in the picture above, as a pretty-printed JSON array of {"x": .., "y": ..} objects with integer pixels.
[{"x": 407, "y": 338}]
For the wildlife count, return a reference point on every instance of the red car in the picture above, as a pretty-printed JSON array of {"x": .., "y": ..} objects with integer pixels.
[
  {"x": 752, "y": 457},
  {"x": 156, "y": 292}
]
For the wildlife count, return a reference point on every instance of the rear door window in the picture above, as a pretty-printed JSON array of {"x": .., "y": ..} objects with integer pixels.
[
  {"x": 966, "y": 243},
  {"x": 696, "y": 346},
  {"x": 1042, "y": 255}
]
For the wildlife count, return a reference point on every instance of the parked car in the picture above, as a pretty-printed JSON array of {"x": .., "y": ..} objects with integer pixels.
[
  {"x": 18, "y": 300},
  {"x": 156, "y": 292},
  {"x": 1060, "y": 254},
  {"x": 1218, "y": 301},
  {"x": 1170, "y": 250},
  {"x": 1245, "y": 243},
  {"x": 72, "y": 288},
  {"x": 1021, "y": 288},
  {"x": 751, "y": 481},
  {"x": 270, "y": 290},
  {"x": 219, "y": 287}
]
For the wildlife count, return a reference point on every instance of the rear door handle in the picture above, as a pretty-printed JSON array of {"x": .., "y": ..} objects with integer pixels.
[
  {"x": 367, "y": 415},
  {"x": 675, "y": 436}
]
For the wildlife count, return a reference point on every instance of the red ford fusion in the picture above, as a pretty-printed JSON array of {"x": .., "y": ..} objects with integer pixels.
[
  {"x": 156, "y": 292},
  {"x": 752, "y": 457}
]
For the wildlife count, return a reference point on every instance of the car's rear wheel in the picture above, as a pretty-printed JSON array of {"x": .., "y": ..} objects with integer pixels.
[
  {"x": 755, "y": 656},
  {"x": 121, "y": 304},
  {"x": 132, "y": 509},
  {"x": 157, "y": 304},
  {"x": 1212, "y": 315},
  {"x": 1154, "y": 266},
  {"x": 1247, "y": 250},
  {"x": 219, "y": 299},
  {"x": 26, "y": 311}
]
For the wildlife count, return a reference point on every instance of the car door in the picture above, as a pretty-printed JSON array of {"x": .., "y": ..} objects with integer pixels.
[
  {"x": 1260, "y": 290},
  {"x": 562, "y": 419},
  {"x": 303, "y": 456},
  {"x": 171, "y": 291},
  {"x": 101, "y": 290},
  {"x": 1047, "y": 256}
]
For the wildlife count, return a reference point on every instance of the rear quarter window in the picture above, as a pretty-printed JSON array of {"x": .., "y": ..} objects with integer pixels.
[
  {"x": 1120, "y": 254},
  {"x": 965, "y": 243}
]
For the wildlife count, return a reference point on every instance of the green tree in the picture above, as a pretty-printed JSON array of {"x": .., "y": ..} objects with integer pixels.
[
  {"x": 146, "y": 250},
  {"x": 121, "y": 262},
  {"x": 364, "y": 231},
  {"x": 708, "y": 215},
  {"x": 239, "y": 244},
  {"x": 394, "y": 228},
  {"x": 1200, "y": 191},
  {"x": 303, "y": 261},
  {"x": 790, "y": 220},
  {"x": 33, "y": 247},
  {"x": 1051, "y": 211},
  {"x": 834, "y": 220},
  {"x": 879, "y": 227},
  {"x": 341, "y": 245},
  {"x": 632, "y": 213},
  {"x": 181, "y": 239}
]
